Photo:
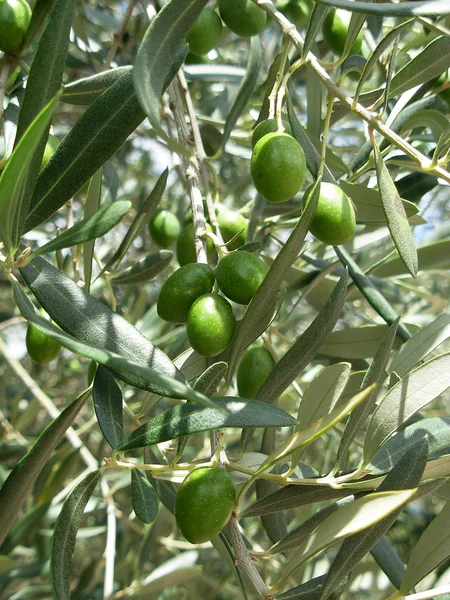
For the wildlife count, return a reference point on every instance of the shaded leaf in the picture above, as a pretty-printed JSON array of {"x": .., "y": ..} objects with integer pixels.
[
  {"x": 108, "y": 406},
  {"x": 24, "y": 527},
  {"x": 84, "y": 91},
  {"x": 316, "y": 19},
  {"x": 311, "y": 589},
  {"x": 143, "y": 497},
  {"x": 145, "y": 269},
  {"x": 438, "y": 7},
  {"x": 434, "y": 256},
  {"x": 91, "y": 206},
  {"x": 65, "y": 533},
  {"x": 361, "y": 342}
]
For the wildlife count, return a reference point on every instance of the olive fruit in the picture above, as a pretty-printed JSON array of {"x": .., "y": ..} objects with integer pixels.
[
  {"x": 232, "y": 224},
  {"x": 278, "y": 167},
  {"x": 164, "y": 227},
  {"x": 334, "y": 29},
  {"x": 205, "y": 33},
  {"x": 334, "y": 220},
  {"x": 41, "y": 348},
  {"x": 204, "y": 503},
  {"x": 242, "y": 16},
  {"x": 268, "y": 126},
  {"x": 253, "y": 370},
  {"x": 15, "y": 17},
  {"x": 182, "y": 289},
  {"x": 239, "y": 275},
  {"x": 210, "y": 324},
  {"x": 50, "y": 149},
  {"x": 186, "y": 249}
]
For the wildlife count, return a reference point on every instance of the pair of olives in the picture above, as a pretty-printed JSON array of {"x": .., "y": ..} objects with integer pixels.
[{"x": 187, "y": 297}]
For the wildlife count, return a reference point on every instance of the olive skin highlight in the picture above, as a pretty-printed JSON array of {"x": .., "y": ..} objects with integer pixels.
[
  {"x": 239, "y": 275},
  {"x": 210, "y": 324}
]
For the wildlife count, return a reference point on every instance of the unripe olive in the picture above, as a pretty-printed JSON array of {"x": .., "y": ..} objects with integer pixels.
[
  {"x": 204, "y": 503},
  {"x": 181, "y": 290},
  {"x": 334, "y": 29},
  {"x": 334, "y": 220},
  {"x": 232, "y": 224},
  {"x": 268, "y": 126},
  {"x": 15, "y": 16},
  {"x": 239, "y": 275},
  {"x": 164, "y": 227},
  {"x": 243, "y": 17},
  {"x": 186, "y": 249},
  {"x": 41, "y": 348},
  {"x": 253, "y": 370},
  {"x": 210, "y": 324},
  {"x": 205, "y": 33},
  {"x": 278, "y": 167}
]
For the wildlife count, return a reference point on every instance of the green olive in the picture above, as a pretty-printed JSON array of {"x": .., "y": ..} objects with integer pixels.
[
  {"x": 334, "y": 221},
  {"x": 204, "y": 503},
  {"x": 15, "y": 16},
  {"x": 253, "y": 370},
  {"x": 41, "y": 348},
  {"x": 232, "y": 224},
  {"x": 268, "y": 126},
  {"x": 278, "y": 167},
  {"x": 210, "y": 324},
  {"x": 164, "y": 227},
  {"x": 205, "y": 33},
  {"x": 243, "y": 17},
  {"x": 239, "y": 275},
  {"x": 334, "y": 29},
  {"x": 186, "y": 249},
  {"x": 181, "y": 290}
]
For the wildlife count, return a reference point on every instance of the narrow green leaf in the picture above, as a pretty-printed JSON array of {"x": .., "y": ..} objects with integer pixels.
[
  {"x": 46, "y": 71},
  {"x": 84, "y": 91},
  {"x": 91, "y": 321},
  {"x": 88, "y": 229},
  {"x": 91, "y": 206},
  {"x": 429, "y": 9},
  {"x": 388, "y": 560},
  {"x": 159, "y": 51},
  {"x": 395, "y": 214},
  {"x": 306, "y": 346},
  {"x": 354, "y": 27},
  {"x": 352, "y": 342},
  {"x": 108, "y": 406},
  {"x": 65, "y": 533},
  {"x": 405, "y": 475},
  {"x": 24, "y": 527},
  {"x": 95, "y": 137},
  {"x": 406, "y": 398},
  {"x": 434, "y": 256},
  {"x": 316, "y": 18},
  {"x": 189, "y": 418},
  {"x": 147, "y": 377},
  {"x": 430, "y": 551},
  {"x": 13, "y": 203},
  {"x": 311, "y": 589},
  {"x": 145, "y": 211},
  {"x": 245, "y": 89},
  {"x": 143, "y": 497},
  {"x": 145, "y": 269},
  {"x": 20, "y": 481}
]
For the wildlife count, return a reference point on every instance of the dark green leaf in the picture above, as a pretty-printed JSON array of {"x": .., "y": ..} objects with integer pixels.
[
  {"x": 65, "y": 533},
  {"x": 160, "y": 49},
  {"x": 189, "y": 418},
  {"x": 91, "y": 206},
  {"x": 108, "y": 406},
  {"x": 311, "y": 590},
  {"x": 435, "y": 8},
  {"x": 145, "y": 269},
  {"x": 318, "y": 14},
  {"x": 88, "y": 229},
  {"x": 84, "y": 91},
  {"x": 20, "y": 481},
  {"x": 143, "y": 497},
  {"x": 389, "y": 561},
  {"x": 95, "y": 137},
  {"x": 24, "y": 527}
]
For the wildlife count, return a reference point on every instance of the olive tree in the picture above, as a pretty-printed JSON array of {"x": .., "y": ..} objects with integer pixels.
[{"x": 224, "y": 333}]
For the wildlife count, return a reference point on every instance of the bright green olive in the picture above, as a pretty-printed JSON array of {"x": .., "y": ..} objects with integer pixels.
[
  {"x": 50, "y": 149},
  {"x": 268, "y": 126},
  {"x": 334, "y": 221},
  {"x": 204, "y": 503},
  {"x": 334, "y": 29},
  {"x": 186, "y": 249},
  {"x": 210, "y": 324},
  {"x": 232, "y": 224},
  {"x": 15, "y": 17},
  {"x": 243, "y": 17},
  {"x": 164, "y": 227},
  {"x": 205, "y": 33},
  {"x": 253, "y": 370},
  {"x": 41, "y": 348},
  {"x": 182, "y": 289},
  {"x": 278, "y": 167},
  {"x": 239, "y": 275}
]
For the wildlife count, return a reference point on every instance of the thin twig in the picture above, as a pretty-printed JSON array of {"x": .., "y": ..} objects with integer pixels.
[{"x": 119, "y": 34}]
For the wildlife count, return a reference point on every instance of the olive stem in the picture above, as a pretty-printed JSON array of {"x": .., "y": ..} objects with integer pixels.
[
  {"x": 278, "y": 81},
  {"x": 119, "y": 34},
  {"x": 192, "y": 174},
  {"x": 372, "y": 120},
  {"x": 245, "y": 561},
  {"x": 326, "y": 129}
]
